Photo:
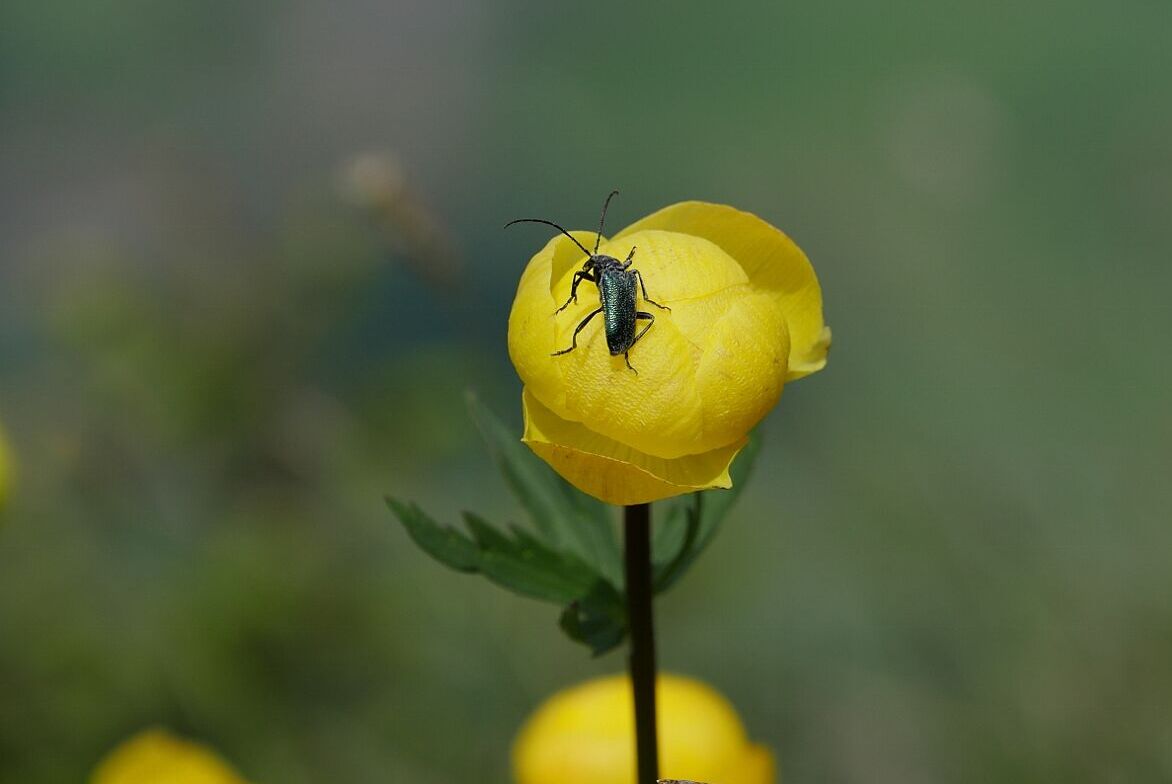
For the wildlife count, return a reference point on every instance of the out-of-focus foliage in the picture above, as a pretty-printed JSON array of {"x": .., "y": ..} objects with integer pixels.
[{"x": 952, "y": 562}]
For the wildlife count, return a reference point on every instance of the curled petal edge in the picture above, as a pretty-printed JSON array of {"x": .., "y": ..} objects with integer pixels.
[{"x": 616, "y": 473}]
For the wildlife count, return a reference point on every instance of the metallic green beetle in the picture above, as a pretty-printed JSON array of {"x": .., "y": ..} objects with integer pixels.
[{"x": 616, "y": 293}]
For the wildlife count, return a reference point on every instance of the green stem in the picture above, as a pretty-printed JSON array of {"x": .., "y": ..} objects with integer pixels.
[{"x": 637, "y": 537}]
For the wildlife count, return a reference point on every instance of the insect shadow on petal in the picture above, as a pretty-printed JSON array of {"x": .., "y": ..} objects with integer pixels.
[{"x": 617, "y": 293}]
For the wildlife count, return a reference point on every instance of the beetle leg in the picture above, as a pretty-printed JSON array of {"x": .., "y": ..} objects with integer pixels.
[
  {"x": 643, "y": 315},
  {"x": 643, "y": 286},
  {"x": 574, "y": 341},
  {"x": 639, "y": 316},
  {"x": 630, "y": 258},
  {"x": 579, "y": 276}
]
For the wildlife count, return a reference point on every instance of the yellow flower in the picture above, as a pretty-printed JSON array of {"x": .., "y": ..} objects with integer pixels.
[
  {"x": 746, "y": 316},
  {"x": 5, "y": 469},
  {"x": 585, "y": 735},
  {"x": 157, "y": 757}
]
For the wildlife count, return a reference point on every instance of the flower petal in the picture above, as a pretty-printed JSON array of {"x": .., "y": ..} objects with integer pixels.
[
  {"x": 532, "y": 327},
  {"x": 742, "y": 371},
  {"x": 678, "y": 266},
  {"x": 616, "y": 473},
  {"x": 770, "y": 259}
]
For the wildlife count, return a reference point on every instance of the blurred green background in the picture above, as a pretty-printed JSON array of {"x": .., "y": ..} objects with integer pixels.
[{"x": 227, "y": 329}]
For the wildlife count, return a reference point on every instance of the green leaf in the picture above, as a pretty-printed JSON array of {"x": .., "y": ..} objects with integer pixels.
[
  {"x": 597, "y": 620},
  {"x": 446, "y": 545},
  {"x": 524, "y": 565},
  {"x": 486, "y": 535},
  {"x": 518, "y": 562},
  {"x": 717, "y": 502},
  {"x": 703, "y": 514},
  {"x": 676, "y": 538},
  {"x": 671, "y": 530},
  {"x": 566, "y": 518}
]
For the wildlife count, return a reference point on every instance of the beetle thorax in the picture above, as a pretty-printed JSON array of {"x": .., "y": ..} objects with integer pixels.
[{"x": 605, "y": 263}]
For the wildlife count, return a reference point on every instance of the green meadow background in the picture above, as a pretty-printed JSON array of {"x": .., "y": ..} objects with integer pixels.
[{"x": 251, "y": 259}]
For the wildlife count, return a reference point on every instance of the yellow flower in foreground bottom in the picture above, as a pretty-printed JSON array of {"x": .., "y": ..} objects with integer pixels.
[
  {"x": 585, "y": 735},
  {"x": 157, "y": 757},
  {"x": 746, "y": 316}
]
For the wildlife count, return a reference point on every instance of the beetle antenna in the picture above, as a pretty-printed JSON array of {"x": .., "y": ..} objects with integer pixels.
[
  {"x": 602, "y": 220},
  {"x": 549, "y": 223}
]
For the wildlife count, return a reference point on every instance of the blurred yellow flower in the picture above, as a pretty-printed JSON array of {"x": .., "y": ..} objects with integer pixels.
[
  {"x": 585, "y": 735},
  {"x": 156, "y": 757},
  {"x": 746, "y": 316},
  {"x": 5, "y": 468}
]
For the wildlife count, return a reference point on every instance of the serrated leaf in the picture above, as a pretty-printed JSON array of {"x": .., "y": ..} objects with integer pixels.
[
  {"x": 597, "y": 620},
  {"x": 565, "y": 517},
  {"x": 484, "y": 533},
  {"x": 705, "y": 513},
  {"x": 520, "y": 562},
  {"x": 526, "y": 566},
  {"x": 446, "y": 545}
]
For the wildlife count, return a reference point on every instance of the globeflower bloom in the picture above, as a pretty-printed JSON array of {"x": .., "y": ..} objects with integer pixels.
[
  {"x": 157, "y": 757},
  {"x": 584, "y": 735},
  {"x": 745, "y": 317}
]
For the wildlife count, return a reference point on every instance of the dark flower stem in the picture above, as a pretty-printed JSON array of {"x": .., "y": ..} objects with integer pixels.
[{"x": 637, "y": 536}]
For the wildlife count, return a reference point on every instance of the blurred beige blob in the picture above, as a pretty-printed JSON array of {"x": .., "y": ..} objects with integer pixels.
[
  {"x": 585, "y": 735},
  {"x": 156, "y": 757},
  {"x": 376, "y": 182}
]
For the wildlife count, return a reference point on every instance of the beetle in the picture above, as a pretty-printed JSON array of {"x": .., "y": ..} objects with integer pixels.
[{"x": 617, "y": 295}]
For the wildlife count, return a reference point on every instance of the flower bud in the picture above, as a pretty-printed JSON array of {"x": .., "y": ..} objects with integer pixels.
[
  {"x": 156, "y": 757},
  {"x": 743, "y": 316}
]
